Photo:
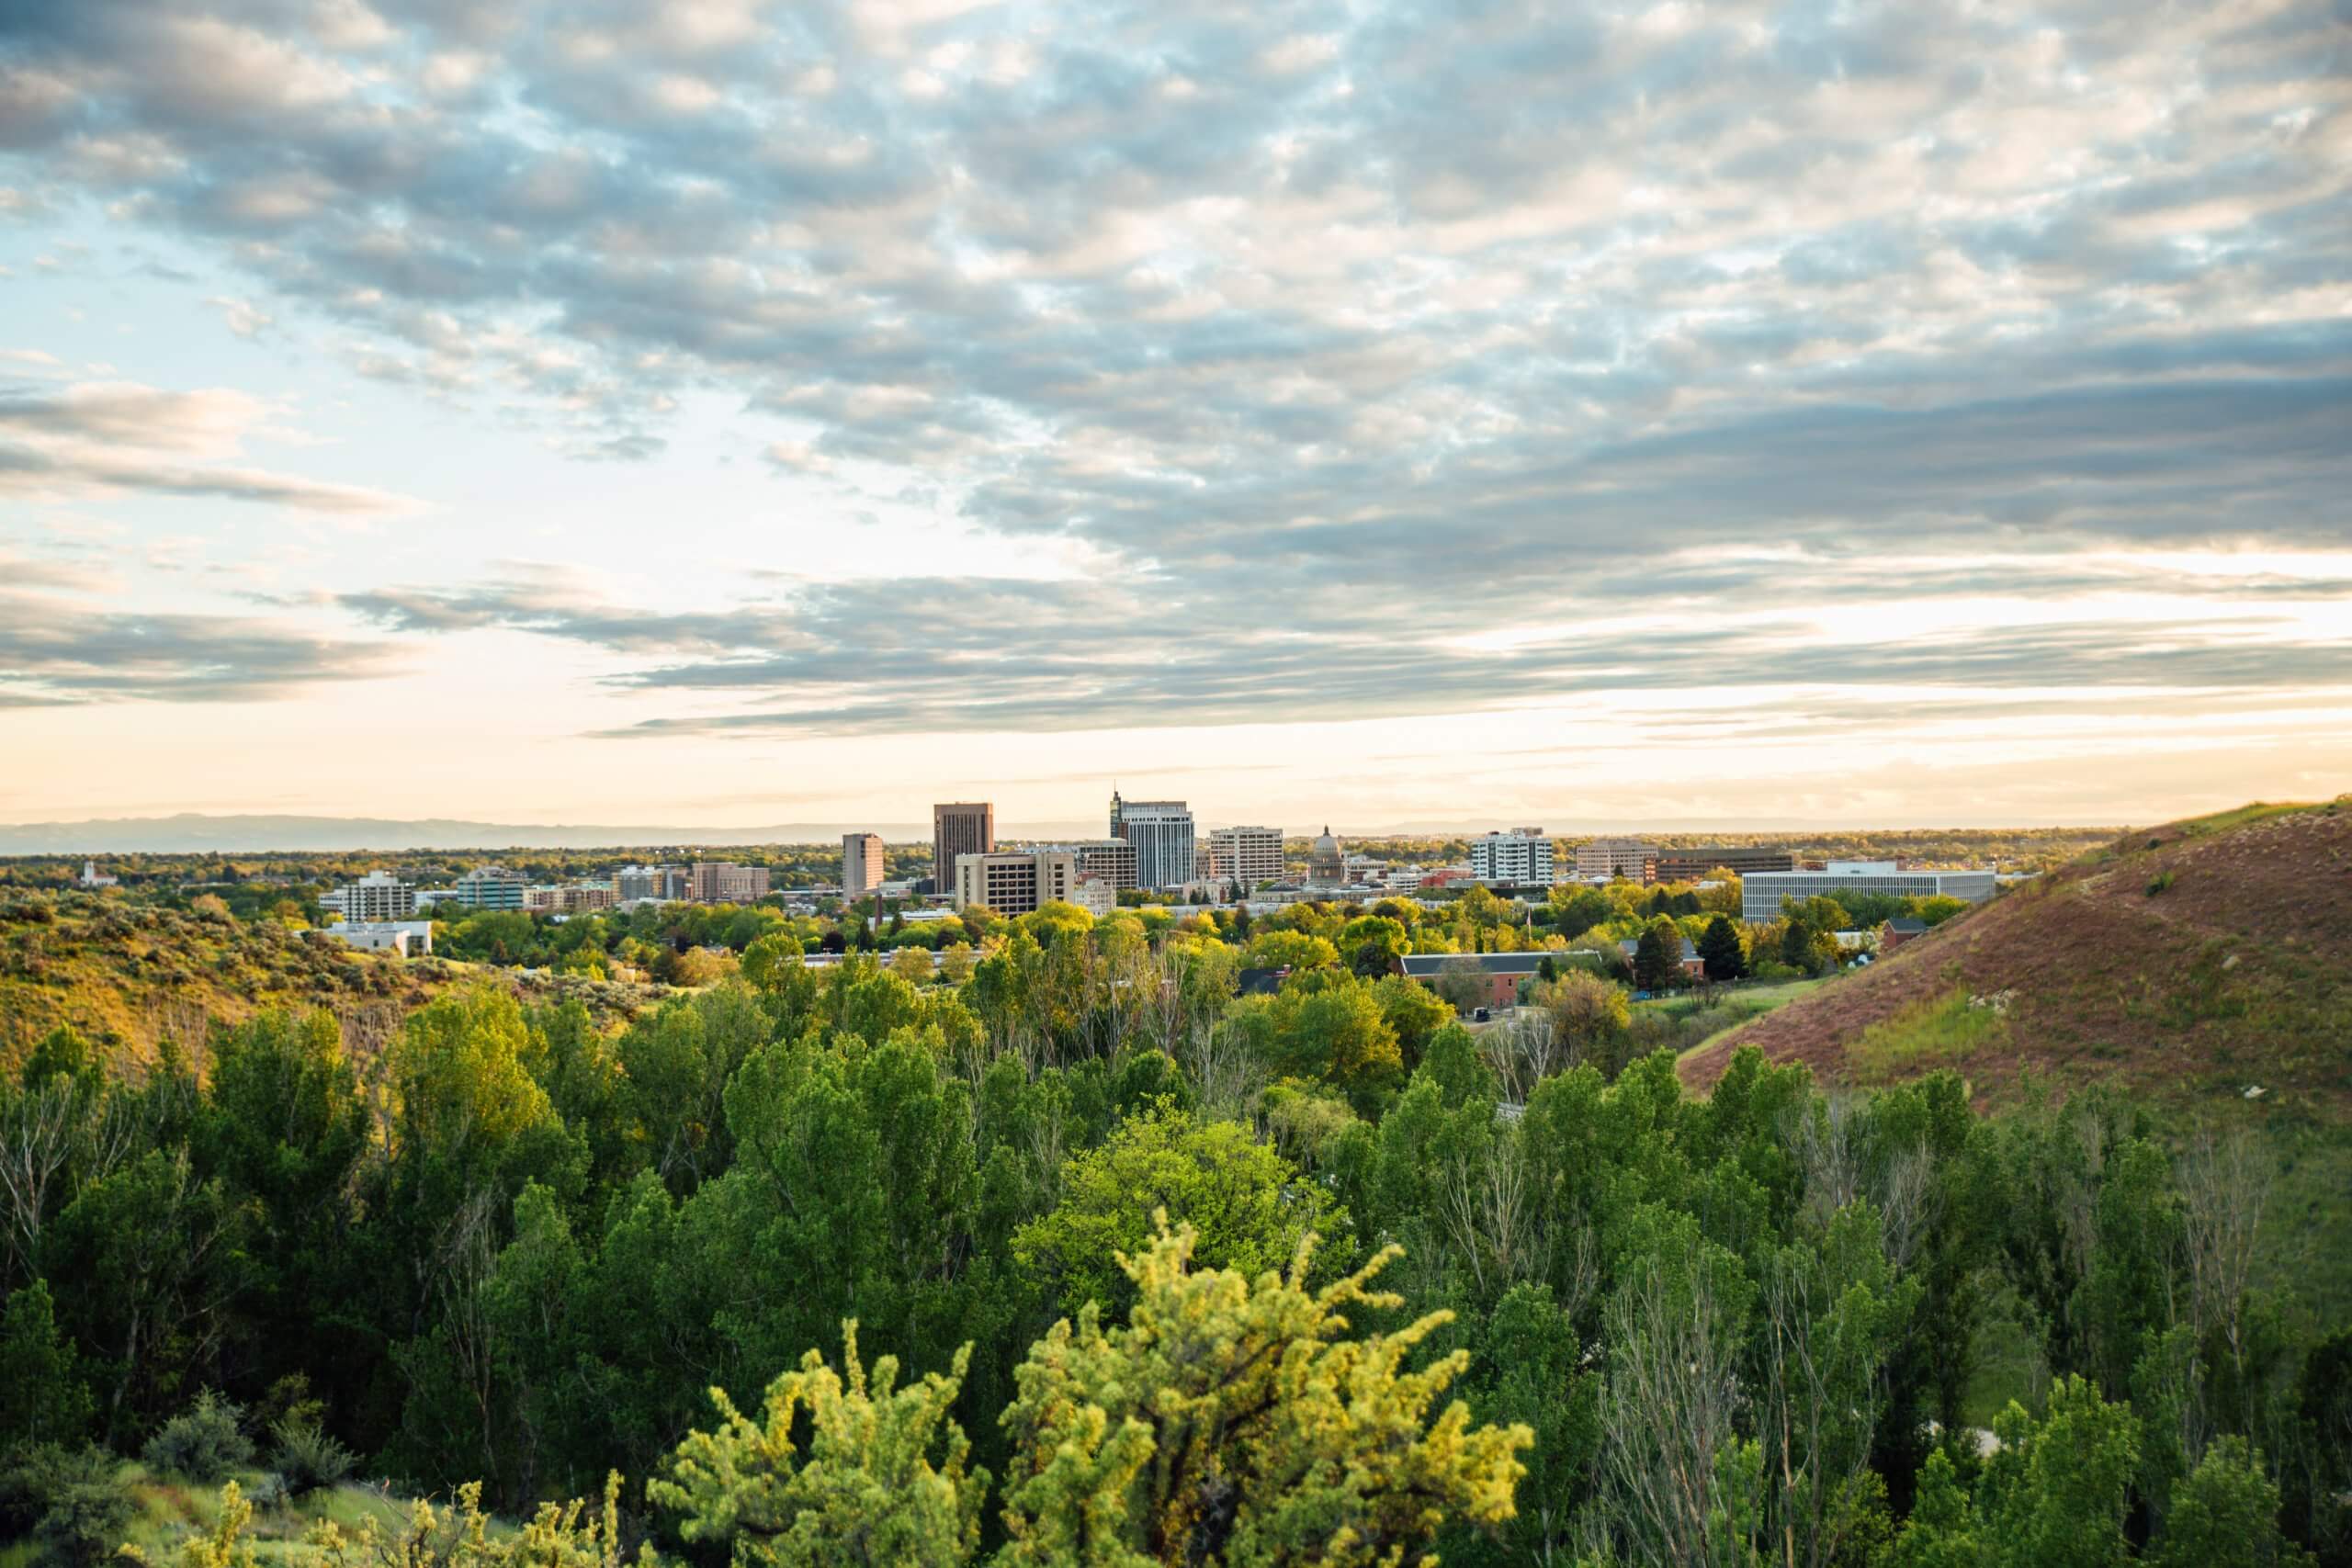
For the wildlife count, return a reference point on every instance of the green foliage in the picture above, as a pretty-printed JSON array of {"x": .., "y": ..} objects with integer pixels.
[
  {"x": 1243, "y": 1423},
  {"x": 2227, "y": 1511},
  {"x": 202, "y": 1444},
  {"x": 2055, "y": 1491},
  {"x": 307, "y": 1459},
  {"x": 42, "y": 1396},
  {"x": 1248, "y": 1207},
  {"x": 883, "y": 1477},
  {"x": 72, "y": 1502},
  {"x": 1949, "y": 1029}
]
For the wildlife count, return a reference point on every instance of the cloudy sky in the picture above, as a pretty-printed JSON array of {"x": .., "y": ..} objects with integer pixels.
[{"x": 717, "y": 412}]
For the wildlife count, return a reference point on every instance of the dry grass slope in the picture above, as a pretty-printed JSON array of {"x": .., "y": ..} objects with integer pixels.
[
  {"x": 2190, "y": 962},
  {"x": 130, "y": 977}
]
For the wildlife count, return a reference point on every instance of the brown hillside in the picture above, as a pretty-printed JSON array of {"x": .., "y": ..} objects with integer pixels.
[
  {"x": 2193, "y": 960},
  {"x": 128, "y": 976}
]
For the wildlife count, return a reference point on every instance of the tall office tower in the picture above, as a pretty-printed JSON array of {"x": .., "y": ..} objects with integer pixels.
[
  {"x": 1161, "y": 832},
  {"x": 860, "y": 864},
  {"x": 958, "y": 828},
  {"x": 1247, "y": 855}
]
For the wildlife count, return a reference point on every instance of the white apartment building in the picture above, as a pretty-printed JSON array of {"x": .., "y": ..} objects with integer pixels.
[
  {"x": 1247, "y": 855},
  {"x": 376, "y": 897},
  {"x": 861, "y": 865},
  {"x": 1015, "y": 882},
  {"x": 1607, "y": 858},
  {"x": 1520, "y": 855}
]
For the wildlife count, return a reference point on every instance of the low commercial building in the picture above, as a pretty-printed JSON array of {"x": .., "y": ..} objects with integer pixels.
[
  {"x": 410, "y": 938},
  {"x": 1762, "y": 894},
  {"x": 1522, "y": 857},
  {"x": 1693, "y": 967},
  {"x": 1498, "y": 974},
  {"x": 1610, "y": 858},
  {"x": 1016, "y": 882},
  {"x": 1690, "y": 865},
  {"x": 1094, "y": 896}
]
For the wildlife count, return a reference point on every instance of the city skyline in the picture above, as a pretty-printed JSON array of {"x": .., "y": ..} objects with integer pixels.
[{"x": 712, "y": 413}]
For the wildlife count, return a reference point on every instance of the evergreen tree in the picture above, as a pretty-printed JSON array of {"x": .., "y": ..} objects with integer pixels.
[
  {"x": 42, "y": 1396},
  {"x": 1720, "y": 948}
]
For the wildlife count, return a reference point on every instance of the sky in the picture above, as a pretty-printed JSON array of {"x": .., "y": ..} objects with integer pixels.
[{"x": 714, "y": 412}]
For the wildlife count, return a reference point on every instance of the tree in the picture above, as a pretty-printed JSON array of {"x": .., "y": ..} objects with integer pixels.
[
  {"x": 884, "y": 1479},
  {"x": 1292, "y": 950},
  {"x": 1461, "y": 981},
  {"x": 1720, "y": 949},
  {"x": 1657, "y": 956},
  {"x": 1238, "y": 1422},
  {"x": 2227, "y": 1511},
  {"x": 1586, "y": 1011},
  {"x": 2054, "y": 1492},
  {"x": 1245, "y": 1206},
  {"x": 42, "y": 1396}
]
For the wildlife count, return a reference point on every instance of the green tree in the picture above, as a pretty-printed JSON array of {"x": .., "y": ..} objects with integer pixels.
[
  {"x": 1720, "y": 948},
  {"x": 1239, "y": 1423},
  {"x": 1246, "y": 1207},
  {"x": 2227, "y": 1511},
  {"x": 42, "y": 1396},
  {"x": 1657, "y": 956},
  {"x": 2054, "y": 1492},
  {"x": 882, "y": 1478}
]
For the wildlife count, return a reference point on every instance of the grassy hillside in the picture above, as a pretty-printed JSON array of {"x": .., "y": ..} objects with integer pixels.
[
  {"x": 130, "y": 976},
  {"x": 2191, "y": 963}
]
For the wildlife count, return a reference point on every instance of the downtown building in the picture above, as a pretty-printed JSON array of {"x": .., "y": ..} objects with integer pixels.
[
  {"x": 1016, "y": 882},
  {"x": 1521, "y": 857},
  {"x": 1610, "y": 858},
  {"x": 861, "y": 865},
  {"x": 958, "y": 828},
  {"x": 489, "y": 887},
  {"x": 376, "y": 897},
  {"x": 1161, "y": 832},
  {"x": 661, "y": 884},
  {"x": 1762, "y": 893},
  {"x": 1248, "y": 855},
  {"x": 724, "y": 882},
  {"x": 1740, "y": 860}
]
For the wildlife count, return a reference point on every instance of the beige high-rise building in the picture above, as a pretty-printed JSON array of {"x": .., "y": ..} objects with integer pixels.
[
  {"x": 959, "y": 828},
  {"x": 1112, "y": 860},
  {"x": 1247, "y": 855},
  {"x": 860, "y": 864},
  {"x": 1015, "y": 882}
]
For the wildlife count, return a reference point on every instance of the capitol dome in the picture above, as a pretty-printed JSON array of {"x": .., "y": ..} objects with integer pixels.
[{"x": 1325, "y": 866}]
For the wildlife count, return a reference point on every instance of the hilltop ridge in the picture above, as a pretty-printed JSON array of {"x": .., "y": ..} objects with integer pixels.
[{"x": 2205, "y": 958}]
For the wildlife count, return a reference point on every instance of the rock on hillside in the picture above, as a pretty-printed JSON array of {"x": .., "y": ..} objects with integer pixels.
[{"x": 2199, "y": 960}]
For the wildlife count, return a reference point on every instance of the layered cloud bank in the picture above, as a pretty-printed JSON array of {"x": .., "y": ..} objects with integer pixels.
[{"x": 1272, "y": 363}]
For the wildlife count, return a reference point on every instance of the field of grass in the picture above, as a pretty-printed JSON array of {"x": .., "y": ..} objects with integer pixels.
[
  {"x": 1943, "y": 1031},
  {"x": 1688, "y": 1021},
  {"x": 171, "y": 1513}
]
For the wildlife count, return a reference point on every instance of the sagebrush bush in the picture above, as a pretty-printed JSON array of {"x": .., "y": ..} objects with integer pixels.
[
  {"x": 203, "y": 1443},
  {"x": 72, "y": 1501},
  {"x": 310, "y": 1458}
]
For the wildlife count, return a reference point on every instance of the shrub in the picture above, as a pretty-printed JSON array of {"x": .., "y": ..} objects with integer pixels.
[
  {"x": 2158, "y": 883},
  {"x": 269, "y": 1492},
  {"x": 309, "y": 1458},
  {"x": 72, "y": 1501},
  {"x": 203, "y": 1443}
]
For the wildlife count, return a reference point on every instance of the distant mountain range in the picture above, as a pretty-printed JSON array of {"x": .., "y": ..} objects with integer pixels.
[{"x": 190, "y": 833}]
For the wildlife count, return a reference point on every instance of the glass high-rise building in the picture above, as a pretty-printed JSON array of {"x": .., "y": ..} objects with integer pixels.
[{"x": 1161, "y": 832}]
